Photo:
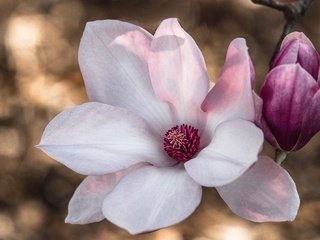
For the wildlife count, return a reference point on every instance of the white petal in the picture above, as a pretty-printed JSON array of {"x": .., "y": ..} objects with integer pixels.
[
  {"x": 152, "y": 198},
  {"x": 177, "y": 69},
  {"x": 264, "y": 193},
  {"x": 113, "y": 62},
  {"x": 85, "y": 205},
  {"x": 233, "y": 149},
  {"x": 96, "y": 138},
  {"x": 231, "y": 98}
]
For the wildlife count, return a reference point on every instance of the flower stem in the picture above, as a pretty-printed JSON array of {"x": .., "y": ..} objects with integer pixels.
[
  {"x": 280, "y": 156},
  {"x": 291, "y": 10}
]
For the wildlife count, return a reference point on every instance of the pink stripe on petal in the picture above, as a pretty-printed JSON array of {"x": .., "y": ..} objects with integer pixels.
[{"x": 231, "y": 97}]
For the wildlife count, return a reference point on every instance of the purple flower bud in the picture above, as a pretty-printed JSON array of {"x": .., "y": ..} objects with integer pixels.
[
  {"x": 289, "y": 108},
  {"x": 297, "y": 48}
]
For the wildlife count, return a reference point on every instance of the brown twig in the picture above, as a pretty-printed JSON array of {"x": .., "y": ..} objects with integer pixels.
[{"x": 292, "y": 11}]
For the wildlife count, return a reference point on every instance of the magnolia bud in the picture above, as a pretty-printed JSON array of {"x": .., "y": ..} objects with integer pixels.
[{"x": 289, "y": 109}]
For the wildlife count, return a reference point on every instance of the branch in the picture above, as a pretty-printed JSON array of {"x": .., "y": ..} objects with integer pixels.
[
  {"x": 271, "y": 4},
  {"x": 292, "y": 11}
]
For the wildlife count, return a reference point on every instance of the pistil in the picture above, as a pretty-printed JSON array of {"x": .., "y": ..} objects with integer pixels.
[{"x": 181, "y": 142}]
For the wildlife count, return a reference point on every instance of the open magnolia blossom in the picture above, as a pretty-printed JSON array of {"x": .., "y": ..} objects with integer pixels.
[{"x": 154, "y": 133}]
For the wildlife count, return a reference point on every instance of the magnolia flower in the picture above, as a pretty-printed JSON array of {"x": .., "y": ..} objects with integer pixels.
[
  {"x": 288, "y": 111},
  {"x": 153, "y": 133}
]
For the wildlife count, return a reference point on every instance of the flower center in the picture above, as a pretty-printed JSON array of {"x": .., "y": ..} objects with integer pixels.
[{"x": 181, "y": 142}]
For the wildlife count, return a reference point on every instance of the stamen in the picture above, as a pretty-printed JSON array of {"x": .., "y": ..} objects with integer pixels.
[{"x": 181, "y": 142}]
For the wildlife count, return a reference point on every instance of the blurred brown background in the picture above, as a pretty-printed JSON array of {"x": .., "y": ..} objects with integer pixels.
[{"x": 39, "y": 77}]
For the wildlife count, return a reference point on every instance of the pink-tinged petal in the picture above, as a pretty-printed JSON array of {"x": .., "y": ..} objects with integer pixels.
[
  {"x": 308, "y": 58},
  {"x": 288, "y": 53},
  {"x": 252, "y": 73},
  {"x": 85, "y": 205},
  {"x": 319, "y": 71},
  {"x": 311, "y": 122},
  {"x": 151, "y": 198},
  {"x": 297, "y": 48},
  {"x": 261, "y": 123},
  {"x": 287, "y": 93},
  {"x": 231, "y": 97},
  {"x": 113, "y": 62},
  {"x": 233, "y": 149},
  {"x": 96, "y": 138},
  {"x": 264, "y": 193},
  {"x": 177, "y": 69},
  {"x": 296, "y": 36}
]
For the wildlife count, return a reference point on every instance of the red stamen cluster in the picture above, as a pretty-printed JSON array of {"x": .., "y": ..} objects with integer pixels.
[{"x": 181, "y": 142}]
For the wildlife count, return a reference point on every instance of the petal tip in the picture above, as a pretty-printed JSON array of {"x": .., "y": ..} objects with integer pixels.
[
  {"x": 173, "y": 19},
  {"x": 240, "y": 40},
  {"x": 297, "y": 37},
  {"x": 171, "y": 22},
  {"x": 240, "y": 43},
  {"x": 69, "y": 220}
]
